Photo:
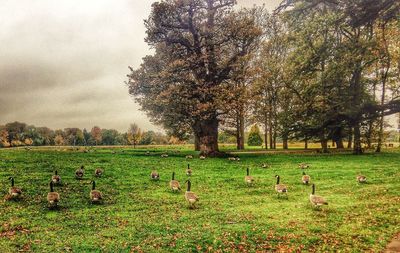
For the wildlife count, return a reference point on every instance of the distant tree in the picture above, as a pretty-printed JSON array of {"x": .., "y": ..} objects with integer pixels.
[
  {"x": 86, "y": 136},
  {"x": 16, "y": 130},
  {"x": 96, "y": 135},
  {"x": 73, "y": 136},
  {"x": 134, "y": 134},
  {"x": 109, "y": 136},
  {"x": 254, "y": 136},
  {"x": 59, "y": 140},
  {"x": 28, "y": 141},
  {"x": 148, "y": 138},
  {"x": 4, "y": 141}
]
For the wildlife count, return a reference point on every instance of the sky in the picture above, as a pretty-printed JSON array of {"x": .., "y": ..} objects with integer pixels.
[{"x": 64, "y": 63}]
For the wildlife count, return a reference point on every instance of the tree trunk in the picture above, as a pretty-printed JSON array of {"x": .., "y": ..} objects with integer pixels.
[
  {"x": 241, "y": 132},
  {"x": 271, "y": 144},
  {"x": 285, "y": 141},
  {"x": 305, "y": 143},
  {"x": 357, "y": 149},
  {"x": 207, "y": 131},
  {"x": 266, "y": 132},
  {"x": 350, "y": 138},
  {"x": 196, "y": 142},
  {"x": 324, "y": 145}
]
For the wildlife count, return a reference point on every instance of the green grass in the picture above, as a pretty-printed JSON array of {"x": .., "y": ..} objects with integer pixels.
[{"x": 142, "y": 215}]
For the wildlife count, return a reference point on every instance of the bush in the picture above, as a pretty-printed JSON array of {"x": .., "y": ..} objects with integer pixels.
[{"x": 254, "y": 137}]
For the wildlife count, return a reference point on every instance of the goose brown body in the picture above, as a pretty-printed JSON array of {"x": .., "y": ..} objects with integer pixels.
[
  {"x": 98, "y": 172},
  {"x": 248, "y": 179},
  {"x": 191, "y": 197},
  {"x": 79, "y": 172},
  {"x": 303, "y": 166},
  {"x": 316, "y": 200},
  {"x": 53, "y": 197},
  {"x": 361, "y": 179},
  {"x": 305, "y": 178},
  {"x": 56, "y": 178},
  {"x": 95, "y": 195},
  {"x": 280, "y": 188},
  {"x": 154, "y": 175},
  {"x": 13, "y": 191},
  {"x": 174, "y": 184},
  {"x": 188, "y": 171}
]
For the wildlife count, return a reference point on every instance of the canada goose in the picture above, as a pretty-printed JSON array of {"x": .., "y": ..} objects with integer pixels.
[
  {"x": 114, "y": 152},
  {"x": 98, "y": 172},
  {"x": 188, "y": 171},
  {"x": 190, "y": 197},
  {"x": 95, "y": 195},
  {"x": 79, "y": 172},
  {"x": 56, "y": 178},
  {"x": 202, "y": 157},
  {"x": 316, "y": 200},
  {"x": 189, "y": 157},
  {"x": 147, "y": 152},
  {"x": 174, "y": 184},
  {"x": 232, "y": 158},
  {"x": 303, "y": 166},
  {"x": 164, "y": 155},
  {"x": 305, "y": 178},
  {"x": 361, "y": 179},
  {"x": 248, "y": 179},
  {"x": 265, "y": 166},
  {"x": 15, "y": 192},
  {"x": 154, "y": 175},
  {"x": 53, "y": 197},
  {"x": 280, "y": 188}
]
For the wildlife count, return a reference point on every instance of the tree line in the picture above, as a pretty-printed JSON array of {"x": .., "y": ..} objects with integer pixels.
[
  {"x": 313, "y": 70},
  {"x": 16, "y": 134}
]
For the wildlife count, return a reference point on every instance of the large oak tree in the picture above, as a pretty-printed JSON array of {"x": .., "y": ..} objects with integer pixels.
[{"x": 198, "y": 44}]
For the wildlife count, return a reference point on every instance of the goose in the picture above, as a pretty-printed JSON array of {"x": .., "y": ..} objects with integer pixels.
[
  {"x": 361, "y": 179},
  {"x": 232, "y": 158},
  {"x": 280, "y": 188},
  {"x": 316, "y": 200},
  {"x": 189, "y": 157},
  {"x": 79, "y": 172},
  {"x": 174, "y": 184},
  {"x": 147, "y": 152},
  {"x": 95, "y": 195},
  {"x": 265, "y": 166},
  {"x": 56, "y": 178},
  {"x": 188, "y": 171},
  {"x": 154, "y": 175},
  {"x": 98, "y": 172},
  {"x": 305, "y": 178},
  {"x": 190, "y": 197},
  {"x": 164, "y": 155},
  {"x": 53, "y": 197},
  {"x": 202, "y": 157},
  {"x": 15, "y": 192},
  {"x": 248, "y": 179},
  {"x": 303, "y": 166}
]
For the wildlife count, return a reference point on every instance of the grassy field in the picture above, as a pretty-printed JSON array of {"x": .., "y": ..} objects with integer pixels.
[{"x": 141, "y": 215}]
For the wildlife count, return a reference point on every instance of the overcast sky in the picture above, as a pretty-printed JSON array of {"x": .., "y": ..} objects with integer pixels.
[{"x": 63, "y": 63}]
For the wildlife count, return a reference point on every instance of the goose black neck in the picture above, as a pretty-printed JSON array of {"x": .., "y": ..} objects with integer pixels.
[
  {"x": 277, "y": 179},
  {"x": 304, "y": 173},
  {"x": 188, "y": 166},
  {"x": 12, "y": 181},
  {"x": 248, "y": 172},
  {"x": 173, "y": 175},
  {"x": 51, "y": 186},
  {"x": 93, "y": 185},
  {"x": 189, "y": 184},
  {"x": 56, "y": 173},
  {"x": 313, "y": 189}
]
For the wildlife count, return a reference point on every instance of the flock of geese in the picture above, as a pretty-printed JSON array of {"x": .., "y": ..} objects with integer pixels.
[{"x": 96, "y": 196}]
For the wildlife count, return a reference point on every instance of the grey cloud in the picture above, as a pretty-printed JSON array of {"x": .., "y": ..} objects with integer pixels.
[{"x": 63, "y": 63}]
